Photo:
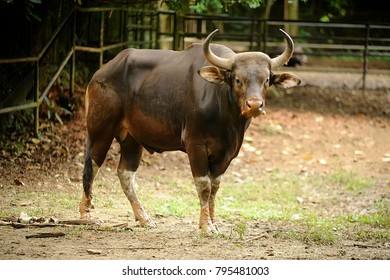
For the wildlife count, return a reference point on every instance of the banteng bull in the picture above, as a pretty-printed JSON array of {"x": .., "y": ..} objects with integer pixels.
[{"x": 199, "y": 101}]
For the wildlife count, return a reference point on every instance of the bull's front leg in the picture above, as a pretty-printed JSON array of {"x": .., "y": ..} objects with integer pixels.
[
  {"x": 205, "y": 185},
  {"x": 206, "y": 193},
  {"x": 214, "y": 189}
]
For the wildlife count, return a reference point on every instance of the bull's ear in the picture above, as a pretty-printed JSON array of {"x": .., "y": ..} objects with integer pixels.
[
  {"x": 212, "y": 74},
  {"x": 285, "y": 80}
]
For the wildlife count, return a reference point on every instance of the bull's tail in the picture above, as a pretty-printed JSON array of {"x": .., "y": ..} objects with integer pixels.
[{"x": 88, "y": 173}]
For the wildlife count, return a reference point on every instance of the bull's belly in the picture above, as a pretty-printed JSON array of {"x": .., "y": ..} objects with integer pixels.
[
  {"x": 156, "y": 136},
  {"x": 160, "y": 143}
]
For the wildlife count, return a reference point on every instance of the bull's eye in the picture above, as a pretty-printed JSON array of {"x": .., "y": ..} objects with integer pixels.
[
  {"x": 267, "y": 82},
  {"x": 237, "y": 81}
]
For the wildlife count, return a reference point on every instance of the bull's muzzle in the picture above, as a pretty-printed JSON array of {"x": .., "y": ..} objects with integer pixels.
[{"x": 254, "y": 108}]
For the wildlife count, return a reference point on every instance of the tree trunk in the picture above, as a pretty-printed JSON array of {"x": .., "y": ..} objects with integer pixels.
[{"x": 291, "y": 8}]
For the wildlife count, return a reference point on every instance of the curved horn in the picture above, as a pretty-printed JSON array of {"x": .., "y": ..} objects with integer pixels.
[
  {"x": 212, "y": 58},
  {"x": 286, "y": 55}
]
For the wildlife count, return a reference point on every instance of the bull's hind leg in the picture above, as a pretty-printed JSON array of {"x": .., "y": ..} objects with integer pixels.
[
  {"x": 131, "y": 152},
  {"x": 102, "y": 117},
  {"x": 95, "y": 154}
]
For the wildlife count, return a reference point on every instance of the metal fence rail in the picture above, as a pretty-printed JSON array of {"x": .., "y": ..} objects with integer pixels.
[{"x": 39, "y": 96}]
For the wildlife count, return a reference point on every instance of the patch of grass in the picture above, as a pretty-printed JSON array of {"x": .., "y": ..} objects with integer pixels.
[
  {"x": 270, "y": 197},
  {"x": 320, "y": 231},
  {"x": 376, "y": 220},
  {"x": 175, "y": 207},
  {"x": 41, "y": 204},
  {"x": 379, "y": 218},
  {"x": 315, "y": 235},
  {"x": 273, "y": 197},
  {"x": 379, "y": 235},
  {"x": 240, "y": 228},
  {"x": 350, "y": 180},
  {"x": 313, "y": 230}
]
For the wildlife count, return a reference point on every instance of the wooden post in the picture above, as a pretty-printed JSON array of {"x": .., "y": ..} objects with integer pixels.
[
  {"x": 73, "y": 64},
  {"x": 36, "y": 99},
  {"x": 101, "y": 39},
  {"x": 291, "y": 8},
  {"x": 365, "y": 59}
]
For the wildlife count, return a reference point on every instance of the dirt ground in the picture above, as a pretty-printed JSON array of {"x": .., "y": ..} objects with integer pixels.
[{"x": 310, "y": 129}]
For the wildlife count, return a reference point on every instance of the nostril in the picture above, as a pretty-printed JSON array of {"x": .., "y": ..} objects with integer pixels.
[{"x": 254, "y": 104}]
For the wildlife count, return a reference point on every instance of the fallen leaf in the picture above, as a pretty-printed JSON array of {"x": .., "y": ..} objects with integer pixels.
[
  {"x": 36, "y": 141},
  {"x": 307, "y": 156},
  {"x": 18, "y": 182}
]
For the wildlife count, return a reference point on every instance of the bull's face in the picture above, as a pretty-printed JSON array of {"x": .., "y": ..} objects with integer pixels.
[
  {"x": 249, "y": 75},
  {"x": 250, "y": 80}
]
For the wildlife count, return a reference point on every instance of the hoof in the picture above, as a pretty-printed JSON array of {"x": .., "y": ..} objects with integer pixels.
[
  {"x": 85, "y": 213},
  {"x": 145, "y": 221},
  {"x": 85, "y": 216},
  {"x": 148, "y": 224},
  {"x": 210, "y": 229}
]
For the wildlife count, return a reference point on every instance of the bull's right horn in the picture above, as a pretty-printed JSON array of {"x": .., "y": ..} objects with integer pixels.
[
  {"x": 286, "y": 55},
  {"x": 220, "y": 62}
]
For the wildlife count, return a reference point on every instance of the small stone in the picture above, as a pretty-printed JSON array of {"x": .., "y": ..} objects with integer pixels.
[{"x": 323, "y": 161}]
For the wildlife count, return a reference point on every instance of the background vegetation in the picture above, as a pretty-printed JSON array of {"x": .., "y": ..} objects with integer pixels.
[{"x": 27, "y": 25}]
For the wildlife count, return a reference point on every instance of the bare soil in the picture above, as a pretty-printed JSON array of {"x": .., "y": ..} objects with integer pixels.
[{"x": 307, "y": 129}]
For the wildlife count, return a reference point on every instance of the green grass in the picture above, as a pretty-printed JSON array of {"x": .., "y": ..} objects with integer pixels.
[
  {"x": 379, "y": 218},
  {"x": 177, "y": 207},
  {"x": 350, "y": 180},
  {"x": 271, "y": 197},
  {"x": 380, "y": 235},
  {"x": 274, "y": 198}
]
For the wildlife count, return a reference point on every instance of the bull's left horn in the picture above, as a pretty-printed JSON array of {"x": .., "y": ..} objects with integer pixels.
[
  {"x": 286, "y": 55},
  {"x": 220, "y": 62}
]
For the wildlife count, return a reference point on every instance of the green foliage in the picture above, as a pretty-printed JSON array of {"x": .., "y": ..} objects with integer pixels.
[
  {"x": 202, "y": 6},
  {"x": 325, "y": 18},
  {"x": 57, "y": 103},
  {"x": 30, "y": 9}
]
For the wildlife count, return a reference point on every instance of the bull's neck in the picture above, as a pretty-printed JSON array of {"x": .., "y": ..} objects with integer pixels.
[{"x": 232, "y": 114}]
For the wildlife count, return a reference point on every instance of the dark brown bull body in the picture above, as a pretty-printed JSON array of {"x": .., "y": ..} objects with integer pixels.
[{"x": 155, "y": 99}]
